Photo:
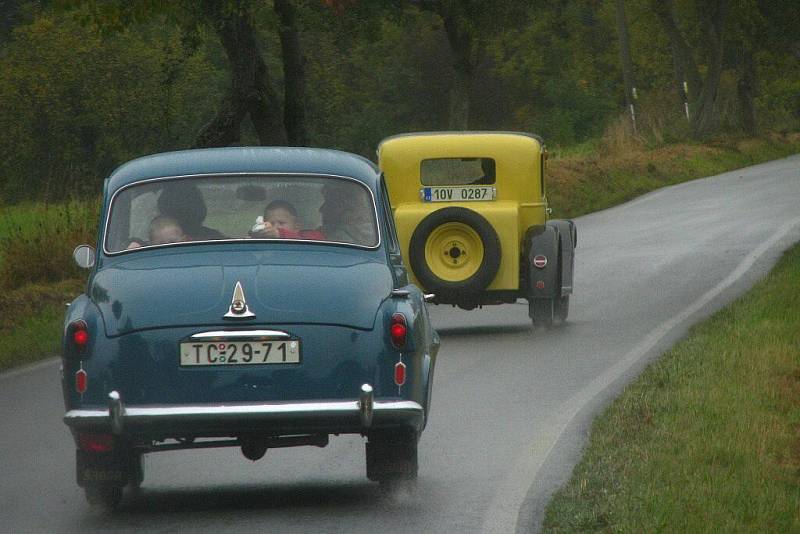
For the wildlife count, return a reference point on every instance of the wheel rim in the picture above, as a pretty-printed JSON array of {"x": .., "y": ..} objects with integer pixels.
[{"x": 454, "y": 252}]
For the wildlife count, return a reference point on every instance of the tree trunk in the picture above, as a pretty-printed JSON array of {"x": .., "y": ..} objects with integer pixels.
[
  {"x": 704, "y": 118},
  {"x": 294, "y": 76},
  {"x": 251, "y": 87},
  {"x": 681, "y": 53},
  {"x": 461, "y": 44},
  {"x": 224, "y": 129},
  {"x": 746, "y": 89}
]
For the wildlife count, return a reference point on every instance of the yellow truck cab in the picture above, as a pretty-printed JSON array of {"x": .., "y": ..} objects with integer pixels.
[{"x": 472, "y": 219}]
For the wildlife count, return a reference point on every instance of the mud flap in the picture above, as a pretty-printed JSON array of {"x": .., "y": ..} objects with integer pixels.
[
  {"x": 567, "y": 236},
  {"x": 103, "y": 469},
  {"x": 541, "y": 262}
]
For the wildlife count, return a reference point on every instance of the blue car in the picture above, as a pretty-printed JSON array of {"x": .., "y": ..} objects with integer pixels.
[{"x": 246, "y": 297}]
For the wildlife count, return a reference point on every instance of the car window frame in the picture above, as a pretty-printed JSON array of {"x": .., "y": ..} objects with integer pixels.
[{"x": 107, "y": 215}]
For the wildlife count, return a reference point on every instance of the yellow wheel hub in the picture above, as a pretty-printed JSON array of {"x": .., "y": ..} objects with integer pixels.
[{"x": 454, "y": 252}]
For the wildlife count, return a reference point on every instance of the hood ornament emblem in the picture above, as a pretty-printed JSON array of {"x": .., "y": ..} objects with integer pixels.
[{"x": 238, "y": 308}]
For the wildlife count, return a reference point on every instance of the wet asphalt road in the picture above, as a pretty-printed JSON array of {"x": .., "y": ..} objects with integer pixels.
[{"x": 511, "y": 405}]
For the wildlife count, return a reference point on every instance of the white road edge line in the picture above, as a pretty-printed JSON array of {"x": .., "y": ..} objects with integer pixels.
[{"x": 502, "y": 514}]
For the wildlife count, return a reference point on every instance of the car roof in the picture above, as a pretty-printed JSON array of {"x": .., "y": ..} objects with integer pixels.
[
  {"x": 426, "y": 140},
  {"x": 233, "y": 160}
]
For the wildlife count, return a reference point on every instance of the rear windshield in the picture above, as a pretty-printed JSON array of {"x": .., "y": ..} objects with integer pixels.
[
  {"x": 457, "y": 171},
  {"x": 222, "y": 208}
]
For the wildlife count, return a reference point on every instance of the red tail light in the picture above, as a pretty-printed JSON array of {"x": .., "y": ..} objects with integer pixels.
[
  {"x": 80, "y": 334},
  {"x": 399, "y": 373},
  {"x": 398, "y": 330},
  {"x": 81, "y": 381},
  {"x": 96, "y": 442}
]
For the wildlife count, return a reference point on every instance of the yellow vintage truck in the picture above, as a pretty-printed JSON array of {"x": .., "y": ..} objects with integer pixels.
[{"x": 473, "y": 220}]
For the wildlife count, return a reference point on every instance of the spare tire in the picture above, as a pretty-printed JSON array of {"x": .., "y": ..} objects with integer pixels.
[{"x": 454, "y": 253}]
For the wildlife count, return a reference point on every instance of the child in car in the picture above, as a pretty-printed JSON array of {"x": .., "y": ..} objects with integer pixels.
[{"x": 280, "y": 220}]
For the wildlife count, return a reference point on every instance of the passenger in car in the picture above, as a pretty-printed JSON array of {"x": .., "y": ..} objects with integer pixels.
[
  {"x": 281, "y": 220},
  {"x": 184, "y": 202},
  {"x": 347, "y": 217},
  {"x": 163, "y": 230}
]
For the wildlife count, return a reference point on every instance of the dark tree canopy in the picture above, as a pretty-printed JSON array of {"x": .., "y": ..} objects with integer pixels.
[{"x": 88, "y": 84}]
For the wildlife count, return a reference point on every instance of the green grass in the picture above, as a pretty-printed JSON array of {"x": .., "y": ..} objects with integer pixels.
[
  {"x": 31, "y": 320},
  {"x": 708, "y": 438},
  {"x": 36, "y": 241},
  {"x": 34, "y": 338},
  {"x": 581, "y": 182}
]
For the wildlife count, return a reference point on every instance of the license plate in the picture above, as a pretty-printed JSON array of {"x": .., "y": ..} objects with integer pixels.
[
  {"x": 457, "y": 194},
  {"x": 240, "y": 352}
]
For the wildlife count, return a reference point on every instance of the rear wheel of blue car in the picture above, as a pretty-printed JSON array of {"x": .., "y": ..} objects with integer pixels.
[{"x": 392, "y": 455}]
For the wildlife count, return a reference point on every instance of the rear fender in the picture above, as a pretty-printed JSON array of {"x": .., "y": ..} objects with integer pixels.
[
  {"x": 541, "y": 242},
  {"x": 567, "y": 238}
]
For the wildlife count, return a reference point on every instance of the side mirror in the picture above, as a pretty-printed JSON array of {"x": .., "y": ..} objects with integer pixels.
[{"x": 84, "y": 256}]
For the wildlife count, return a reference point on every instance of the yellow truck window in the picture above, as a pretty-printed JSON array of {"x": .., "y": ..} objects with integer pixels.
[{"x": 457, "y": 171}]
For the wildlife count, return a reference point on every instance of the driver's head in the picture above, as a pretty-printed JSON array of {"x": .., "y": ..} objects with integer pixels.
[
  {"x": 183, "y": 201},
  {"x": 164, "y": 230}
]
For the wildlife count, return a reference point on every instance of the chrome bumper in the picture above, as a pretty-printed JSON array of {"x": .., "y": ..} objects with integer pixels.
[{"x": 353, "y": 416}]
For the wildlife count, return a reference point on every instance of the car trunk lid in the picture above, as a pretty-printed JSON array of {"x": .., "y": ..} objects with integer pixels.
[{"x": 319, "y": 285}]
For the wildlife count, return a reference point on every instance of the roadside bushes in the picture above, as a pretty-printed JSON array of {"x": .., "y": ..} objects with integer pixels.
[{"x": 37, "y": 240}]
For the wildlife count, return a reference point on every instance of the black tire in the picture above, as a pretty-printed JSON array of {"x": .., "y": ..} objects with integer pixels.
[
  {"x": 542, "y": 311},
  {"x": 106, "y": 497},
  {"x": 562, "y": 308},
  {"x": 392, "y": 456},
  {"x": 455, "y": 290}
]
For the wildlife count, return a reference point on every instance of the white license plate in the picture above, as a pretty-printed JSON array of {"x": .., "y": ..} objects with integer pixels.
[
  {"x": 240, "y": 352},
  {"x": 457, "y": 194}
]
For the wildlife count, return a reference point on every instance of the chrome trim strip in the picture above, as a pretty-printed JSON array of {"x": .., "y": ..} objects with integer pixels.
[
  {"x": 237, "y": 334},
  {"x": 107, "y": 219},
  {"x": 316, "y": 408}
]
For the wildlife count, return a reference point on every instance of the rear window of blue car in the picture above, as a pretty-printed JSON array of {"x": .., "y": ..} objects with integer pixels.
[{"x": 169, "y": 211}]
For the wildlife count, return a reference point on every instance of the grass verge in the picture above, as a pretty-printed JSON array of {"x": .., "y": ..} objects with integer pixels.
[
  {"x": 31, "y": 319},
  {"x": 37, "y": 240},
  {"x": 619, "y": 169},
  {"x": 708, "y": 438}
]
